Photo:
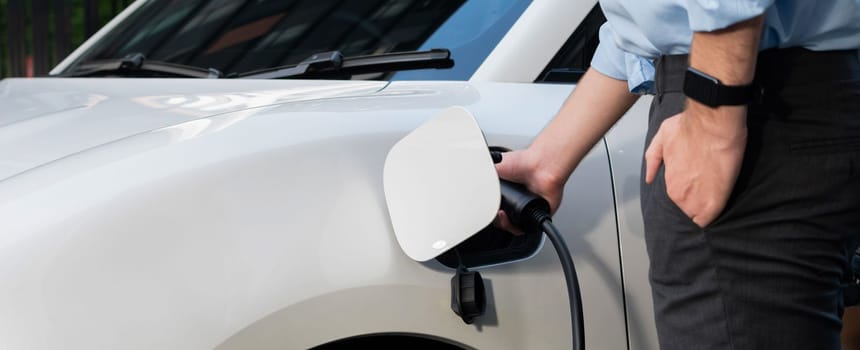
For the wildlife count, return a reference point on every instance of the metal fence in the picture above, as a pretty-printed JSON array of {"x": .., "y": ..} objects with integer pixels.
[{"x": 36, "y": 34}]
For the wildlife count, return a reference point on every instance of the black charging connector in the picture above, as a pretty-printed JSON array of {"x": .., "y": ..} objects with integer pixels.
[
  {"x": 526, "y": 210},
  {"x": 468, "y": 297}
]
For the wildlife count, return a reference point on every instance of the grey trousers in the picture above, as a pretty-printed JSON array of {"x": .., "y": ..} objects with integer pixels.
[{"x": 770, "y": 272}]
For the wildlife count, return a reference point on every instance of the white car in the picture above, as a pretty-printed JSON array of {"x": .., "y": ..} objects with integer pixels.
[{"x": 144, "y": 206}]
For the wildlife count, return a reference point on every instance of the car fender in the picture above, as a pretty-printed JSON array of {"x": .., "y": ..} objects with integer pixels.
[{"x": 216, "y": 231}]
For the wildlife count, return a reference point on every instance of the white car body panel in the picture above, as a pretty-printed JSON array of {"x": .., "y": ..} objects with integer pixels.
[
  {"x": 299, "y": 204},
  {"x": 56, "y": 117},
  {"x": 626, "y": 143},
  {"x": 249, "y": 214},
  {"x": 513, "y": 59}
]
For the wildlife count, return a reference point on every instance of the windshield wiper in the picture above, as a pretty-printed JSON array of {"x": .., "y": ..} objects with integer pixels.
[
  {"x": 333, "y": 63},
  {"x": 135, "y": 64}
]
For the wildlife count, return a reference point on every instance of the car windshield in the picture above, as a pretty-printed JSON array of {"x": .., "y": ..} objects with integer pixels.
[{"x": 234, "y": 36}]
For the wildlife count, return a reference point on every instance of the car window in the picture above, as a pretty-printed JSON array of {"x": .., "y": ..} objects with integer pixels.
[
  {"x": 471, "y": 33},
  {"x": 574, "y": 57},
  {"x": 239, "y": 36}
]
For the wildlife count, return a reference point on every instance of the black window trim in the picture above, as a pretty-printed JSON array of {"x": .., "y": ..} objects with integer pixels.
[{"x": 580, "y": 47}]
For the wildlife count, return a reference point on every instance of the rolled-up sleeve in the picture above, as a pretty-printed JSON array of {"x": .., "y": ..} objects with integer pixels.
[
  {"x": 615, "y": 63},
  {"x": 609, "y": 59},
  {"x": 711, "y": 15}
]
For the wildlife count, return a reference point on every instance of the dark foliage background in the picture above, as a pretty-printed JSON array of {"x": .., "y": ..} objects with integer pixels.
[{"x": 36, "y": 34}]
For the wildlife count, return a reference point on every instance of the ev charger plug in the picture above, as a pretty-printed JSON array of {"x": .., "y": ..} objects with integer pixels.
[{"x": 530, "y": 213}]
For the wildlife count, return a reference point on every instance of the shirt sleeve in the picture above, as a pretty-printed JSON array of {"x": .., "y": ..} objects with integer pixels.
[
  {"x": 711, "y": 15},
  {"x": 619, "y": 64},
  {"x": 640, "y": 74},
  {"x": 609, "y": 59}
]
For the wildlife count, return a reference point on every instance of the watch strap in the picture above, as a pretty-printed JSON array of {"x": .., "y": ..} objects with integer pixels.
[{"x": 711, "y": 92}]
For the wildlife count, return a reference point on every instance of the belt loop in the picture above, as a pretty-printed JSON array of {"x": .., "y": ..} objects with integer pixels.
[{"x": 659, "y": 70}]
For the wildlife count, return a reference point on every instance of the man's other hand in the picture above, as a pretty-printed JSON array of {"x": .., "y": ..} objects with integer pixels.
[{"x": 702, "y": 150}]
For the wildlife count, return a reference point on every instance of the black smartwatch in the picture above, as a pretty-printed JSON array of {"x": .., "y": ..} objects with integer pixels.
[{"x": 711, "y": 92}]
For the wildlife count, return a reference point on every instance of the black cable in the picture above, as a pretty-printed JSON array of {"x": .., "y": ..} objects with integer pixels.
[
  {"x": 573, "y": 294},
  {"x": 530, "y": 213},
  {"x": 538, "y": 216},
  {"x": 459, "y": 258}
]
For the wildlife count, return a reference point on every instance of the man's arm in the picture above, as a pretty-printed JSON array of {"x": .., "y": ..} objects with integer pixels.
[
  {"x": 596, "y": 103},
  {"x": 702, "y": 148}
]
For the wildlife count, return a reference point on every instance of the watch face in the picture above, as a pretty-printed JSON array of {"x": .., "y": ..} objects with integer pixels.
[
  {"x": 703, "y": 75},
  {"x": 701, "y": 87}
]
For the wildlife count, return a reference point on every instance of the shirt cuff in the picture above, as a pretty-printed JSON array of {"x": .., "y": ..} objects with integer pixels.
[
  {"x": 640, "y": 74},
  {"x": 711, "y": 15},
  {"x": 609, "y": 59}
]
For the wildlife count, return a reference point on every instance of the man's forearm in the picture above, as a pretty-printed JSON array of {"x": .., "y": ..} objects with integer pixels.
[
  {"x": 730, "y": 56},
  {"x": 594, "y": 106}
]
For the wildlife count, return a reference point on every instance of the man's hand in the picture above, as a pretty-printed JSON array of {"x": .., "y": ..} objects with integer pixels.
[
  {"x": 701, "y": 160},
  {"x": 523, "y": 167}
]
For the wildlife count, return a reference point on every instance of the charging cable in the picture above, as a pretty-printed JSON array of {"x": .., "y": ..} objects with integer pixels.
[{"x": 530, "y": 212}]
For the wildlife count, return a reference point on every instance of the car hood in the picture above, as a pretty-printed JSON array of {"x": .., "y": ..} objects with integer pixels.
[{"x": 46, "y": 119}]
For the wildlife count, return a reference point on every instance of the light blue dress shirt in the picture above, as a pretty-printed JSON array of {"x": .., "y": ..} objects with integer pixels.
[{"x": 638, "y": 31}]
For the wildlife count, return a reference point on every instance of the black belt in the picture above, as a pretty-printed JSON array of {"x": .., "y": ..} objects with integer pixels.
[{"x": 775, "y": 68}]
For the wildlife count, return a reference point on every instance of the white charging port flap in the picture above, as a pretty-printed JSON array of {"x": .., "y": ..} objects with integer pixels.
[{"x": 440, "y": 184}]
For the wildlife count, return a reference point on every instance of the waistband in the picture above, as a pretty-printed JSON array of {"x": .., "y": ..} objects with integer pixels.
[{"x": 775, "y": 68}]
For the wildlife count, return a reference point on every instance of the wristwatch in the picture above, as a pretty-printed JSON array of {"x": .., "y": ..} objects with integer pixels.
[{"x": 711, "y": 92}]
